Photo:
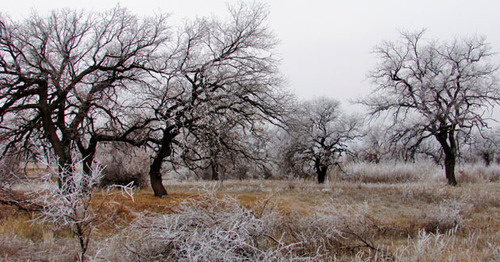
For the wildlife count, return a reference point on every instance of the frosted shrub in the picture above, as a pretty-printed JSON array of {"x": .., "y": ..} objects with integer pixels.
[
  {"x": 390, "y": 172},
  {"x": 124, "y": 164},
  {"x": 10, "y": 171},
  {"x": 445, "y": 216},
  {"x": 204, "y": 229},
  {"x": 333, "y": 232},
  {"x": 68, "y": 205},
  {"x": 211, "y": 228},
  {"x": 313, "y": 235}
]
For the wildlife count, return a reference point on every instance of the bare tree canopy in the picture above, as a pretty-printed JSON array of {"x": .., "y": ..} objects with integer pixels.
[
  {"x": 219, "y": 71},
  {"x": 434, "y": 89},
  {"x": 320, "y": 134},
  {"x": 73, "y": 79},
  {"x": 60, "y": 73}
]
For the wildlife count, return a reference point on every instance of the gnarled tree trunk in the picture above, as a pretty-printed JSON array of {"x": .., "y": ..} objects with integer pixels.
[
  {"x": 164, "y": 151},
  {"x": 155, "y": 172},
  {"x": 447, "y": 141}
]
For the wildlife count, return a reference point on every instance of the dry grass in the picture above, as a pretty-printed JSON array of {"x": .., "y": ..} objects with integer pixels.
[{"x": 279, "y": 220}]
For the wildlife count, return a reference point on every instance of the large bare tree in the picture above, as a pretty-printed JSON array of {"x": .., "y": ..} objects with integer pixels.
[
  {"x": 62, "y": 74},
  {"x": 434, "y": 89},
  {"x": 219, "y": 69}
]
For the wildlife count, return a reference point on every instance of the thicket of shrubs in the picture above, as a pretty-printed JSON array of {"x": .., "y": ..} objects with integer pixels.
[{"x": 123, "y": 165}]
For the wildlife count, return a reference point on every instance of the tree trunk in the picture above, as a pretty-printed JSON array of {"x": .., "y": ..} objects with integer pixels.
[
  {"x": 155, "y": 169},
  {"x": 215, "y": 170},
  {"x": 321, "y": 171},
  {"x": 487, "y": 158},
  {"x": 155, "y": 175},
  {"x": 449, "y": 165},
  {"x": 88, "y": 155},
  {"x": 66, "y": 167},
  {"x": 157, "y": 184},
  {"x": 447, "y": 141},
  {"x": 61, "y": 146}
]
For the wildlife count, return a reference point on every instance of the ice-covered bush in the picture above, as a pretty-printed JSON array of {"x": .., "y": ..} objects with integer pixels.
[
  {"x": 10, "y": 170},
  {"x": 445, "y": 216},
  {"x": 66, "y": 202},
  {"x": 209, "y": 227},
  {"x": 124, "y": 164},
  {"x": 206, "y": 228}
]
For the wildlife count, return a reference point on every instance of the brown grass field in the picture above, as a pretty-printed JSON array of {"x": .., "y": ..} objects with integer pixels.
[{"x": 273, "y": 220}]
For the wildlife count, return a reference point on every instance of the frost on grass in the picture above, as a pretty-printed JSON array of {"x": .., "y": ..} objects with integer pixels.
[
  {"x": 420, "y": 171},
  {"x": 391, "y": 172},
  {"x": 213, "y": 228},
  {"x": 21, "y": 249},
  {"x": 207, "y": 228},
  {"x": 476, "y": 173},
  {"x": 447, "y": 246},
  {"x": 446, "y": 216},
  {"x": 212, "y": 225}
]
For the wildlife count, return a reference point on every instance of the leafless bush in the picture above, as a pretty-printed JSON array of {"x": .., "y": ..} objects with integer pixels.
[
  {"x": 10, "y": 170},
  {"x": 124, "y": 164},
  {"x": 310, "y": 236},
  {"x": 68, "y": 204},
  {"x": 206, "y": 229},
  {"x": 445, "y": 216},
  {"x": 213, "y": 228}
]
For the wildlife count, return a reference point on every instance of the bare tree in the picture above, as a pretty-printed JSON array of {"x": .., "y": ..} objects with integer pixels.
[
  {"x": 321, "y": 134},
  {"x": 434, "y": 89},
  {"x": 217, "y": 70},
  {"x": 223, "y": 147},
  {"x": 373, "y": 146},
  {"x": 484, "y": 145},
  {"x": 61, "y": 75}
]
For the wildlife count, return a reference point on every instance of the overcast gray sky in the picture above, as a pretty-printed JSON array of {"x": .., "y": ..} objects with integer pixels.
[{"x": 325, "y": 45}]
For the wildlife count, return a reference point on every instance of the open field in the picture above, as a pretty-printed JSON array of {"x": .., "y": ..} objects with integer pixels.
[{"x": 276, "y": 221}]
